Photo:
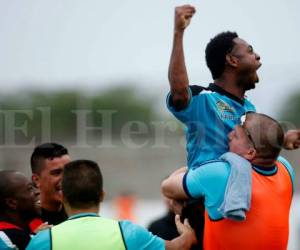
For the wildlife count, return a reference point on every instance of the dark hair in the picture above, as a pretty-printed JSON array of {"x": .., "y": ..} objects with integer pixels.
[
  {"x": 267, "y": 134},
  {"x": 45, "y": 151},
  {"x": 82, "y": 183},
  {"x": 216, "y": 50}
]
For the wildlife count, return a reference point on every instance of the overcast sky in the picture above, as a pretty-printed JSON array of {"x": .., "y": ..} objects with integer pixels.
[{"x": 91, "y": 44}]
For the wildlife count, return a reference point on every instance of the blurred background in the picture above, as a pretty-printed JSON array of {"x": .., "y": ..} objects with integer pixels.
[{"x": 92, "y": 75}]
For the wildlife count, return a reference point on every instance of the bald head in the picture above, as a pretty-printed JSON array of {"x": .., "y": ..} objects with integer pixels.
[
  {"x": 266, "y": 133},
  {"x": 9, "y": 184},
  {"x": 17, "y": 196}
]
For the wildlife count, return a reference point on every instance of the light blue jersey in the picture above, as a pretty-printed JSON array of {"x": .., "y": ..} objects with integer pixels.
[
  {"x": 210, "y": 179},
  {"x": 209, "y": 117},
  {"x": 135, "y": 237}
]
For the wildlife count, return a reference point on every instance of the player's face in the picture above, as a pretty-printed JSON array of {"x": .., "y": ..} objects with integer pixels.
[
  {"x": 248, "y": 63},
  {"x": 50, "y": 178},
  {"x": 26, "y": 197},
  {"x": 239, "y": 141}
]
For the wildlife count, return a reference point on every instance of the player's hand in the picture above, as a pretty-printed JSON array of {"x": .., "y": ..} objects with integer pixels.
[
  {"x": 41, "y": 227},
  {"x": 176, "y": 206},
  {"x": 185, "y": 229},
  {"x": 183, "y": 15},
  {"x": 292, "y": 139}
]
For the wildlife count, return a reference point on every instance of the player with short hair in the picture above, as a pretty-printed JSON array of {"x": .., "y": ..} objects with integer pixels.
[
  {"x": 47, "y": 165},
  {"x": 259, "y": 141},
  {"x": 210, "y": 113},
  {"x": 82, "y": 188}
]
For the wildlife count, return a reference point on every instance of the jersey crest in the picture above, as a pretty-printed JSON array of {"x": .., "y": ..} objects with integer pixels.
[{"x": 224, "y": 107}]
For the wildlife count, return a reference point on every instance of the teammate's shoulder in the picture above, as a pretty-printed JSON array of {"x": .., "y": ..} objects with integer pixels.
[
  {"x": 284, "y": 162},
  {"x": 40, "y": 241},
  {"x": 288, "y": 167}
]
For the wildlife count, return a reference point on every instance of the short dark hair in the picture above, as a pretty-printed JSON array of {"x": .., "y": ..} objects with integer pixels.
[
  {"x": 267, "y": 134},
  {"x": 45, "y": 151},
  {"x": 82, "y": 183},
  {"x": 216, "y": 51}
]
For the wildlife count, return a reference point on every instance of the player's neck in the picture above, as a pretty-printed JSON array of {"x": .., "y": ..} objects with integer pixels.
[
  {"x": 230, "y": 88},
  {"x": 262, "y": 162},
  {"x": 74, "y": 211},
  {"x": 51, "y": 206}
]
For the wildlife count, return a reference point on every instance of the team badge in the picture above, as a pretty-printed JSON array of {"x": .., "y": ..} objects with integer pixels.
[{"x": 224, "y": 107}]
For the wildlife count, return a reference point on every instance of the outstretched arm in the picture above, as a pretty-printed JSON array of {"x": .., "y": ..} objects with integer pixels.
[
  {"x": 178, "y": 76},
  {"x": 292, "y": 139}
]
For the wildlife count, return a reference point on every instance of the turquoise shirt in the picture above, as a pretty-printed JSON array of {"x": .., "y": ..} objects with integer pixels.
[
  {"x": 135, "y": 237},
  {"x": 208, "y": 118},
  {"x": 210, "y": 179}
]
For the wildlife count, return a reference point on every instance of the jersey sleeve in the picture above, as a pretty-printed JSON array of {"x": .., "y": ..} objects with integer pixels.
[
  {"x": 208, "y": 180},
  {"x": 193, "y": 111},
  {"x": 289, "y": 169},
  {"x": 137, "y": 237},
  {"x": 41, "y": 241},
  {"x": 183, "y": 115}
]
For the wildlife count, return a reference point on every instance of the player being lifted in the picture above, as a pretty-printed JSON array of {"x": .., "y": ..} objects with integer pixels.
[{"x": 210, "y": 113}]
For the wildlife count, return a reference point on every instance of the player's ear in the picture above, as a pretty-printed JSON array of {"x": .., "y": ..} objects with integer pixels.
[
  {"x": 250, "y": 155},
  {"x": 232, "y": 60},
  {"x": 11, "y": 203},
  {"x": 35, "y": 180},
  {"x": 102, "y": 195}
]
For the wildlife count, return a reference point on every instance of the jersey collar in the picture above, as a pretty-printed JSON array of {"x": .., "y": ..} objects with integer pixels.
[
  {"x": 82, "y": 215},
  {"x": 215, "y": 88},
  {"x": 6, "y": 225},
  {"x": 268, "y": 171}
]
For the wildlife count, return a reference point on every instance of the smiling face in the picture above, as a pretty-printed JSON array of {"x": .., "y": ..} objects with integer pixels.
[
  {"x": 49, "y": 181},
  {"x": 247, "y": 63},
  {"x": 27, "y": 198},
  {"x": 18, "y": 197}
]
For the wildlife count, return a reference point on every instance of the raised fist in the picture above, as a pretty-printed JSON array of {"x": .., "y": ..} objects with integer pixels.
[{"x": 183, "y": 15}]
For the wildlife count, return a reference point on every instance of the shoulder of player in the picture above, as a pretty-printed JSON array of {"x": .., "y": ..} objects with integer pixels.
[
  {"x": 199, "y": 90},
  {"x": 287, "y": 165},
  {"x": 208, "y": 172}
]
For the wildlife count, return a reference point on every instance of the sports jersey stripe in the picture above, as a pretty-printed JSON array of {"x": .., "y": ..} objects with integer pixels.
[
  {"x": 6, "y": 240},
  {"x": 185, "y": 188},
  {"x": 289, "y": 168},
  {"x": 122, "y": 234}
]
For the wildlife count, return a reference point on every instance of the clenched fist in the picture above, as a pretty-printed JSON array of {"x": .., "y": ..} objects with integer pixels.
[
  {"x": 183, "y": 15},
  {"x": 292, "y": 139}
]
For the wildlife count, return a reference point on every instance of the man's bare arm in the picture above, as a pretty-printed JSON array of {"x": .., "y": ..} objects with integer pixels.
[
  {"x": 178, "y": 76},
  {"x": 172, "y": 187}
]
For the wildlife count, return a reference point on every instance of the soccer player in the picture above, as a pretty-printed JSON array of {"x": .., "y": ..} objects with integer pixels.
[
  {"x": 82, "y": 188},
  {"x": 47, "y": 164},
  {"x": 267, "y": 223},
  {"x": 211, "y": 113},
  {"x": 18, "y": 206}
]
